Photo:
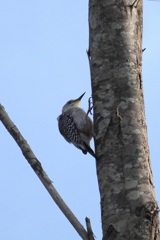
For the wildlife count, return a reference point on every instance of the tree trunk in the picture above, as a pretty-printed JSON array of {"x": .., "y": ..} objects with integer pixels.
[{"x": 128, "y": 206}]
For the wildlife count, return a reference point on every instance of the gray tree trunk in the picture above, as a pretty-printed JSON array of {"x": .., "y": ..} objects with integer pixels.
[{"x": 128, "y": 206}]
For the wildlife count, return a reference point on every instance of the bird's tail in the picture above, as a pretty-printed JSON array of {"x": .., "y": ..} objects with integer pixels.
[{"x": 89, "y": 149}]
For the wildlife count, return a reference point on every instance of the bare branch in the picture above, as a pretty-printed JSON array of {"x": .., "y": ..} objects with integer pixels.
[
  {"x": 38, "y": 169},
  {"x": 89, "y": 229}
]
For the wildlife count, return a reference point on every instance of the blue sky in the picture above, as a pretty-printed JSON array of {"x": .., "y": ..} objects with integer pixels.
[{"x": 43, "y": 63}]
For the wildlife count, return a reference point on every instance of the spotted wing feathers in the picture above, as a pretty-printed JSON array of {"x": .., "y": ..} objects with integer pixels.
[
  {"x": 68, "y": 129},
  {"x": 70, "y": 132}
]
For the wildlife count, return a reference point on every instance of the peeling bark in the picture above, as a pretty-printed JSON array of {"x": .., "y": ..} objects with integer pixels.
[{"x": 128, "y": 206}]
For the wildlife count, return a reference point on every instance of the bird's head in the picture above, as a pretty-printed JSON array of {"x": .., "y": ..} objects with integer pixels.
[{"x": 72, "y": 103}]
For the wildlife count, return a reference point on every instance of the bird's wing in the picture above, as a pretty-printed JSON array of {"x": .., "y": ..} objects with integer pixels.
[
  {"x": 68, "y": 128},
  {"x": 70, "y": 132},
  {"x": 83, "y": 122}
]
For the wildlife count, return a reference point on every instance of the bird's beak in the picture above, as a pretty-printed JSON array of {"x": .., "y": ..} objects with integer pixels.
[{"x": 79, "y": 99}]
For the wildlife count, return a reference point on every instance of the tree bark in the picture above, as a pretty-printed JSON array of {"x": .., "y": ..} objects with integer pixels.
[{"x": 128, "y": 206}]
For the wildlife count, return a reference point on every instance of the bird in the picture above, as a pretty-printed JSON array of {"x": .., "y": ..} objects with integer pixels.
[{"x": 76, "y": 126}]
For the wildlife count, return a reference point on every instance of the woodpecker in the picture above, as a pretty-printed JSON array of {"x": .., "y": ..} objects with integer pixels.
[{"x": 75, "y": 126}]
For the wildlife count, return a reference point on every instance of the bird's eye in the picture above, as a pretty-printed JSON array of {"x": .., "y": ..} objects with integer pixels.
[{"x": 69, "y": 102}]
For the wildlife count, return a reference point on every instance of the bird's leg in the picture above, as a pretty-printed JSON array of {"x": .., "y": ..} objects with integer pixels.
[
  {"x": 134, "y": 4},
  {"x": 90, "y": 106}
]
